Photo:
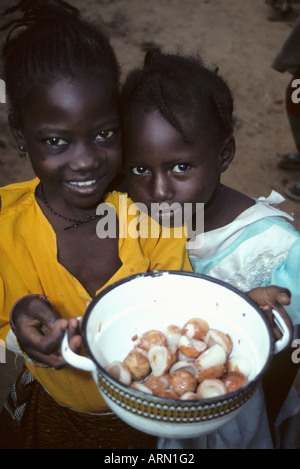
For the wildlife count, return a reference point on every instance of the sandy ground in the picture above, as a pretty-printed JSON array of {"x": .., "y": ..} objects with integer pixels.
[{"x": 233, "y": 34}]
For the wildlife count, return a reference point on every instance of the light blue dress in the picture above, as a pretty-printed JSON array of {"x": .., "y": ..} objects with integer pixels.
[{"x": 259, "y": 248}]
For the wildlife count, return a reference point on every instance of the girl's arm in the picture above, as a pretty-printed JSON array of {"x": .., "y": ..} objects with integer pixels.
[
  {"x": 277, "y": 383},
  {"x": 281, "y": 374}
]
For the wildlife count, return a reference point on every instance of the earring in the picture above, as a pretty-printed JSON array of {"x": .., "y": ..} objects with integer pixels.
[{"x": 23, "y": 154}]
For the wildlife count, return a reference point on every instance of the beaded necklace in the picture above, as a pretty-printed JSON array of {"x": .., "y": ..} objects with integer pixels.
[{"x": 76, "y": 221}]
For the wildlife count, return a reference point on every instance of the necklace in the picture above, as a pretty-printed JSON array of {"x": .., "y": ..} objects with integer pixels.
[{"x": 76, "y": 221}]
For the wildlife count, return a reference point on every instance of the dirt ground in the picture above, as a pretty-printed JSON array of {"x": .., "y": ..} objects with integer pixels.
[{"x": 236, "y": 36}]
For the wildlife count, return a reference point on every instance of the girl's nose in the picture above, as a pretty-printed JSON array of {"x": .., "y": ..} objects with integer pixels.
[
  {"x": 85, "y": 158},
  {"x": 161, "y": 189}
]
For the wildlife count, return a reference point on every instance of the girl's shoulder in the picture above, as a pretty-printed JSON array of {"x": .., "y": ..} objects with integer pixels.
[
  {"x": 227, "y": 206},
  {"x": 237, "y": 202},
  {"x": 119, "y": 200},
  {"x": 14, "y": 196}
]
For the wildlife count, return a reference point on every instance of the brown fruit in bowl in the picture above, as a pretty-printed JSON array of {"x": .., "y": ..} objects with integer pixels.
[
  {"x": 211, "y": 388},
  {"x": 168, "y": 393},
  {"x": 191, "y": 348},
  {"x": 189, "y": 396},
  {"x": 214, "y": 336},
  {"x": 241, "y": 364},
  {"x": 160, "y": 359},
  {"x": 172, "y": 334},
  {"x": 182, "y": 382},
  {"x": 141, "y": 387},
  {"x": 120, "y": 371},
  {"x": 184, "y": 365},
  {"x": 212, "y": 372},
  {"x": 213, "y": 356},
  {"x": 150, "y": 338},
  {"x": 157, "y": 383},
  {"x": 195, "y": 328},
  {"x": 138, "y": 364},
  {"x": 234, "y": 380},
  {"x": 211, "y": 363},
  {"x": 174, "y": 350}
]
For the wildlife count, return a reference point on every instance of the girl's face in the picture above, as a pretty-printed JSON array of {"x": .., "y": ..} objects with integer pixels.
[
  {"x": 70, "y": 129},
  {"x": 162, "y": 168}
]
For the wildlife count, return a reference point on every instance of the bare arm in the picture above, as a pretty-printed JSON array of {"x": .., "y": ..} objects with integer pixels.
[
  {"x": 278, "y": 381},
  {"x": 281, "y": 374}
]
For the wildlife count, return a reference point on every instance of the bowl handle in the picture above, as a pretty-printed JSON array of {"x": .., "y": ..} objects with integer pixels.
[
  {"x": 285, "y": 327},
  {"x": 83, "y": 363}
]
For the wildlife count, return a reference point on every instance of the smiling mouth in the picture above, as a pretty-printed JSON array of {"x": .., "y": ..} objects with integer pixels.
[{"x": 82, "y": 183}]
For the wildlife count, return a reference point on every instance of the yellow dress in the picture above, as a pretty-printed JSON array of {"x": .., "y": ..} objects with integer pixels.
[{"x": 29, "y": 264}]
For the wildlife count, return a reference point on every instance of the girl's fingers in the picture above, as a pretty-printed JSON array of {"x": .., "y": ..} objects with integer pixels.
[{"x": 51, "y": 341}]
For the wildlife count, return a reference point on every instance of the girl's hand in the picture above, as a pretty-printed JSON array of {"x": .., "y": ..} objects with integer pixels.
[
  {"x": 39, "y": 330},
  {"x": 270, "y": 298},
  {"x": 74, "y": 335}
]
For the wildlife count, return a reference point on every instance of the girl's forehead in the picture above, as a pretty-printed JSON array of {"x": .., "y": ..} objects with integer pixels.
[
  {"x": 154, "y": 126},
  {"x": 68, "y": 85},
  {"x": 152, "y": 135},
  {"x": 187, "y": 119},
  {"x": 70, "y": 93}
]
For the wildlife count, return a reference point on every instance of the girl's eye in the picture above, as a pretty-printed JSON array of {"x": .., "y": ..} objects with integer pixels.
[
  {"x": 181, "y": 168},
  {"x": 55, "y": 142},
  {"x": 139, "y": 170},
  {"x": 104, "y": 135}
]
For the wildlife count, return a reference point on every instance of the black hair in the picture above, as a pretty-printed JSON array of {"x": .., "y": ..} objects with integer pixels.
[
  {"x": 178, "y": 85},
  {"x": 50, "y": 40}
]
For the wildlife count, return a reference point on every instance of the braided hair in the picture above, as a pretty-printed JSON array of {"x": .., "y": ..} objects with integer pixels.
[
  {"x": 179, "y": 86},
  {"x": 50, "y": 40}
]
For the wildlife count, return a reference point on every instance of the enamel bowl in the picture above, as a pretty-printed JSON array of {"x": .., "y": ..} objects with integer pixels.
[{"x": 155, "y": 300}]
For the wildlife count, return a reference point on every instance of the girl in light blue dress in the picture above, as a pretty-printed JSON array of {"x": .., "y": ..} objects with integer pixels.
[{"x": 178, "y": 140}]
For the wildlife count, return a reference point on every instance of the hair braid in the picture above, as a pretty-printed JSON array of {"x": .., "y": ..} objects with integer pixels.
[
  {"x": 223, "y": 113},
  {"x": 222, "y": 100},
  {"x": 163, "y": 107}
]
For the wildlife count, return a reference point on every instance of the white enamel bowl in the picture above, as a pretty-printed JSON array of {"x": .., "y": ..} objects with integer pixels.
[{"x": 155, "y": 300}]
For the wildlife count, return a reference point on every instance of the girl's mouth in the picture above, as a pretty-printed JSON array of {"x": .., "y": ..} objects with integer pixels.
[
  {"x": 164, "y": 214},
  {"x": 87, "y": 187},
  {"x": 82, "y": 183}
]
